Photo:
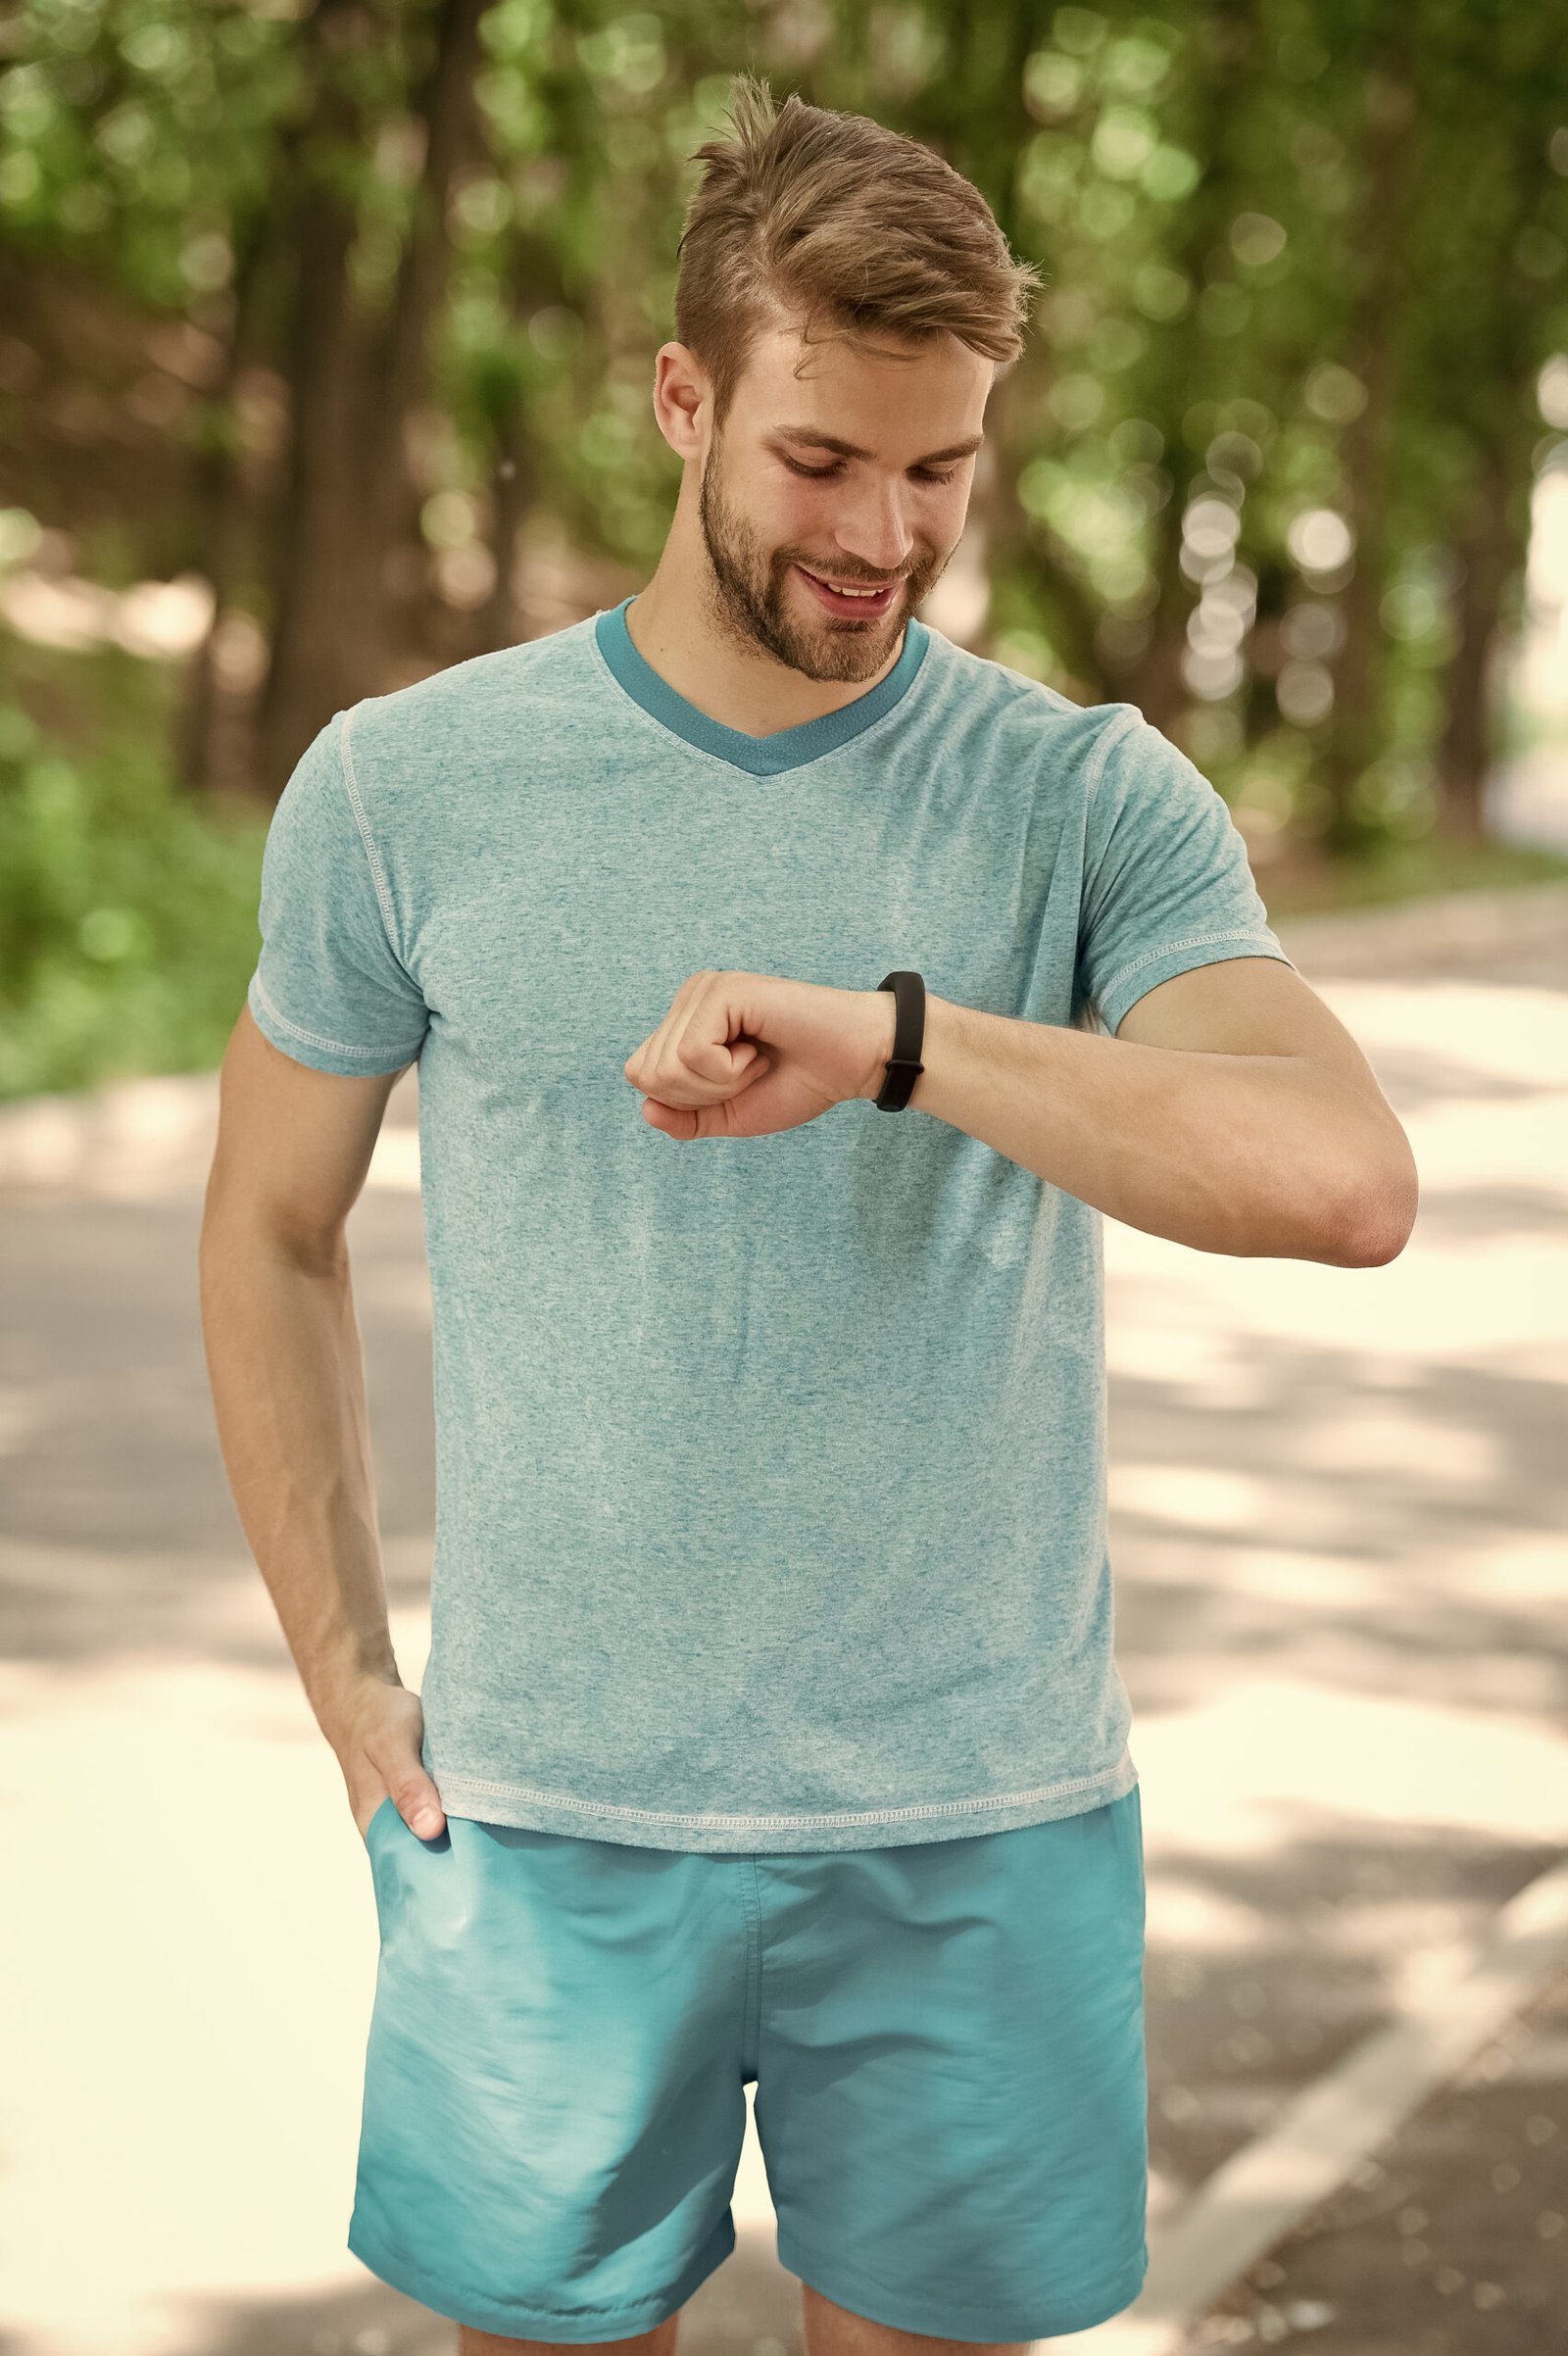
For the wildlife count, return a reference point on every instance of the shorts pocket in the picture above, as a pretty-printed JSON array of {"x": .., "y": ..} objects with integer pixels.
[{"x": 385, "y": 1803}]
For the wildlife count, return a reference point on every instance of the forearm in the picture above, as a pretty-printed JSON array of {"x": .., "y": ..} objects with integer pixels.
[
  {"x": 1246, "y": 1155},
  {"x": 289, "y": 1390}
]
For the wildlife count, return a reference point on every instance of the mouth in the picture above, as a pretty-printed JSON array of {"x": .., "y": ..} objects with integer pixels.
[{"x": 862, "y": 607}]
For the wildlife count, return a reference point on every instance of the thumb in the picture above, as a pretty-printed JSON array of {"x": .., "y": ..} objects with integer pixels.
[{"x": 418, "y": 1803}]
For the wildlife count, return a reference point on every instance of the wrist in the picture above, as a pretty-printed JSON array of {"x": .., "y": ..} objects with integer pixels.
[
  {"x": 881, "y": 1013},
  {"x": 940, "y": 1050},
  {"x": 340, "y": 1707}
]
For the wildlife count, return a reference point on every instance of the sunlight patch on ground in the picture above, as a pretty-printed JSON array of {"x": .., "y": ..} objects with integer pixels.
[{"x": 1274, "y": 1757}]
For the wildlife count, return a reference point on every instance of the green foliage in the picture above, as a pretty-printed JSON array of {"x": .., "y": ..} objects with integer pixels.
[
  {"x": 127, "y": 913},
  {"x": 1300, "y": 359}
]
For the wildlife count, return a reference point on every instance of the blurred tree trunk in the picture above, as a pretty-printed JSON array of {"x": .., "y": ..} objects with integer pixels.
[
  {"x": 1235, "y": 60},
  {"x": 973, "y": 110},
  {"x": 513, "y": 483},
  {"x": 517, "y": 460},
  {"x": 517, "y": 463},
  {"x": 1488, "y": 551},
  {"x": 394, "y": 487},
  {"x": 325, "y": 645},
  {"x": 1357, "y": 732},
  {"x": 1507, "y": 333},
  {"x": 218, "y": 526},
  {"x": 349, "y": 568},
  {"x": 552, "y": 266}
]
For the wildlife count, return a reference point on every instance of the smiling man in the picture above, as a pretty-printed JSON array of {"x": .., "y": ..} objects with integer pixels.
[
  {"x": 799, "y": 551},
  {"x": 771, "y": 1731}
]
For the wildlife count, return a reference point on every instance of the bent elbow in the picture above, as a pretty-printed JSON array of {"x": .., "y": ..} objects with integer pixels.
[
  {"x": 1378, "y": 1248},
  {"x": 1378, "y": 1224}
]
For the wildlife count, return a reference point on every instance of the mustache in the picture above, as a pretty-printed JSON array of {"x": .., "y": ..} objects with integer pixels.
[{"x": 861, "y": 580}]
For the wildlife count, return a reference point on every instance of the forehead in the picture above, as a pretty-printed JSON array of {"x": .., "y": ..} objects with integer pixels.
[{"x": 868, "y": 395}]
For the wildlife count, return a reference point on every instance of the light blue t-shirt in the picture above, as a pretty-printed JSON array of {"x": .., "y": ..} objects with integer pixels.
[{"x": 770, "y": 1472}]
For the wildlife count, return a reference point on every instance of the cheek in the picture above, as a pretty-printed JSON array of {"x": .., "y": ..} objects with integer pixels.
[
  {"x": 798, "y": 522},
  {"x": 946, "y": 521}
]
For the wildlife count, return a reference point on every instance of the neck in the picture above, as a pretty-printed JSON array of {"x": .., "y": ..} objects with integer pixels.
[{"x": 724, "y": 673}]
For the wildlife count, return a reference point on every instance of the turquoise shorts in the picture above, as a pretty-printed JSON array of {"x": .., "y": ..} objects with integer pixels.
[{"x": 946, "y": 2037}]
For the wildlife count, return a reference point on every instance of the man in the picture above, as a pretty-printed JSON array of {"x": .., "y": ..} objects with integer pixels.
[{"x": 771, "y": 1730}]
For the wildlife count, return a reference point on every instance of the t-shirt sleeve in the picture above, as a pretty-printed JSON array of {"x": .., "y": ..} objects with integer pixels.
[
  {"x": 1166, "y": 880},
  {"x": 330, "y": 987}
]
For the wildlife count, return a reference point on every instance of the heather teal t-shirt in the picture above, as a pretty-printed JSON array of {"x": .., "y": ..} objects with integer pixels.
[{"x": 770, "y": 1472}]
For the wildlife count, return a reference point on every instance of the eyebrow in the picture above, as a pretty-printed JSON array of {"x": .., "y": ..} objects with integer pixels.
[{"x": 829, "y": 441}]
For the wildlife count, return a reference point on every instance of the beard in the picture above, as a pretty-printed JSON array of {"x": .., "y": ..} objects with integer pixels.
[{"x": 752, "y": 600}]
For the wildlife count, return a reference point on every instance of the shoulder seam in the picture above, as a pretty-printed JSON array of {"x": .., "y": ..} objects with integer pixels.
[
  {"x": 1102, "y": 750},
  {"x": 362, "y": 820}
]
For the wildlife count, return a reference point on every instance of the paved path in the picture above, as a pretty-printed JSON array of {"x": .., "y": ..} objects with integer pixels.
[{"x": 1337, "y": 1521}]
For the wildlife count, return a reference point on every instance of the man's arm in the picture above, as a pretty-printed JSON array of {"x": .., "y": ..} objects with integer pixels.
[
  {"x": 1232, "y": 1111},
  {"x": 287, "y": 1379}
]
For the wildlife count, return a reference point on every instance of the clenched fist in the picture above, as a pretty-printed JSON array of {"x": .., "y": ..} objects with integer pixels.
[{"x": 743, "y": 1054}]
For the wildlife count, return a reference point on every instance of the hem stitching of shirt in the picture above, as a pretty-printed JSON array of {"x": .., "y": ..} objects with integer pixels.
[
  {"x": 947, "y": 1807},
  {"x": 1169, "y": 949},
  {"x": 313, "y": 1038}
]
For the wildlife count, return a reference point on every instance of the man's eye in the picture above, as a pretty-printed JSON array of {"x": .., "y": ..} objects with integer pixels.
[{"x": 825, "y": 473}]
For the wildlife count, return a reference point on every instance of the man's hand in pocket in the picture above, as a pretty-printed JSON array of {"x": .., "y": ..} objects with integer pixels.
[{"x": 378, "y": 1738}]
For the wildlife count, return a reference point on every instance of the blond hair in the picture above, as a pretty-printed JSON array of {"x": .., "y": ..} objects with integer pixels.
[{"x": 813, "y": 215}]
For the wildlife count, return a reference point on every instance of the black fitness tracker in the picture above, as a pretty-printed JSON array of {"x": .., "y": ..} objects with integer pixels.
[{"x": 903, "y": 1065}]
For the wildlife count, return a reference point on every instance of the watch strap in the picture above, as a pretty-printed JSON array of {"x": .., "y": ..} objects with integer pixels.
[{"x": 903, "y": 1067}]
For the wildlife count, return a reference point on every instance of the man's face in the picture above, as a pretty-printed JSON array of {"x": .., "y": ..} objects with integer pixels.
[{"x": 777, "y": 506}]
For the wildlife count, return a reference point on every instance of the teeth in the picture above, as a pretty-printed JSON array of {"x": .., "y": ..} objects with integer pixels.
[{"x": 841, "y": 591}]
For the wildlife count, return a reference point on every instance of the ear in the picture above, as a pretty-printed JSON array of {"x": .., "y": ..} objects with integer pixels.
[{"x": 683, "y": 398}]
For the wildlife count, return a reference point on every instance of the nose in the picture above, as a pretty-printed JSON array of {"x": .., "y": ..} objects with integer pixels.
[{"x": 870, "y": 529}]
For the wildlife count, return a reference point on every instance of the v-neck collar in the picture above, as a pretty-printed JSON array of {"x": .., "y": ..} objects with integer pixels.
[{"x": 762, "y": 755}]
